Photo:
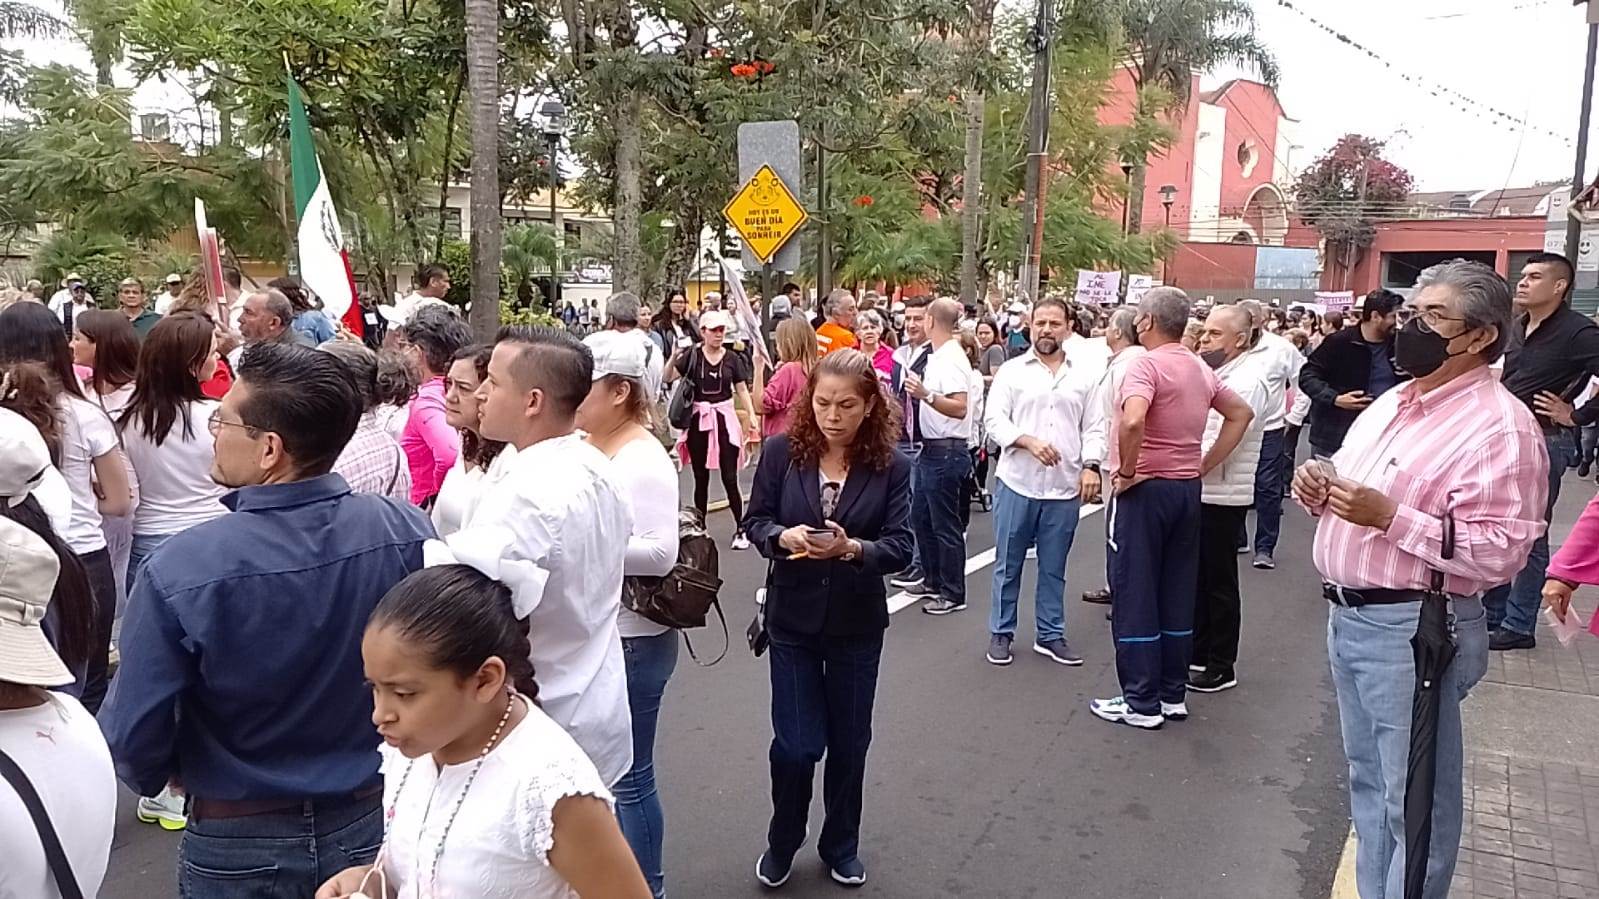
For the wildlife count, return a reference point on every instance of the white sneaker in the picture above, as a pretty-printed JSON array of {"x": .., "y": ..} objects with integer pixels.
[
  {"x": 740, "y": 541},
  {"x": 165, "y": 808},
  {"x": 1174, "y": 711},
  {"x": 1118, "y": 711}
]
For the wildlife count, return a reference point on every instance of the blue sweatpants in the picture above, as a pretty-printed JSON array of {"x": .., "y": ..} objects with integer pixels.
[{"x": 1154, "y": 569}]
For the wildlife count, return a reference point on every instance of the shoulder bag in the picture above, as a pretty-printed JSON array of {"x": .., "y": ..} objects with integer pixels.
[
  {"x": 680, "y": 408},
  {"x": 60, "y": 868}
]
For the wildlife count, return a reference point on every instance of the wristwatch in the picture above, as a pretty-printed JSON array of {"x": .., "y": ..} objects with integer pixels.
[
  {"x": 1092, "y": 466},
  {"x": 850, "y": 555}
]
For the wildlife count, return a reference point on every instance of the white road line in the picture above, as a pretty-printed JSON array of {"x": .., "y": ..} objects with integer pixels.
[{"x": 900, "y": 601}]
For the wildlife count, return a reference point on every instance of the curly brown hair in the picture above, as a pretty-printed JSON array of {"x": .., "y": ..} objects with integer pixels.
[{"x": 879, "y": 432}]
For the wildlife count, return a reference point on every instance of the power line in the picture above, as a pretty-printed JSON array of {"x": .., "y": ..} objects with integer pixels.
[{"x": 1454, "y": 98}]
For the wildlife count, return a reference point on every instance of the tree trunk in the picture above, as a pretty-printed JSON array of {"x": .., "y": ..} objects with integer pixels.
[
  {"x": 971, "y": 195},
  {"x": 1135, "y": 196},
  {"x": 683, "y": 255},
  {"x": 483, "y": 83},
  {"x": 628, "y": 270},
  {"x": 444, "y": 172}
]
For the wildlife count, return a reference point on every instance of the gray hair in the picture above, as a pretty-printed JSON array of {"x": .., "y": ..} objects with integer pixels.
[
  {"x": 622, "y": 308},
  {"x": 1167, "y": 308},
  {"x": 276, "y": 304},
  {"x": 1121, "y": 324},
  {"x": 836, "y": 301},
  {"x": 362, "y": 364},
  {"x": 870, "y": 317},
  {"x": 1484, "y": 298}
]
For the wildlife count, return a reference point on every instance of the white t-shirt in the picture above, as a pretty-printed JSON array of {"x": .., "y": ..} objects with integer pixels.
[
  {"x": 647, "y": 479},
  {"x": 456, "y": 497},
  {"x": 499, "y": 844},
  {"x": 86, "y": 435},
  {"x": 948, "y": 371},
  {"x": 60, "y": 748},
  {"x": 175, "y": 487}
]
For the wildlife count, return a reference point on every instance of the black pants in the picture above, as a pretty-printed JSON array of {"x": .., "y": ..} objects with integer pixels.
[
  {"x": 103, "y": 589},
  {"x": 822, "y": 693},
  {"x": 1217, "y": 606},
  {"x": 698, "y": 447}
]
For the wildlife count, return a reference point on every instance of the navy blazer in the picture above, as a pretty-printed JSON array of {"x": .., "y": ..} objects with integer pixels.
[{"x": 830, "y": 597}]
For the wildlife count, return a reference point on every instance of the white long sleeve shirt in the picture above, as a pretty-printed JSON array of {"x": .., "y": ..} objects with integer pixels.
[
  {"x": 1278, "y": 362},
  {"x": 648, "y": 480},
  {"x": 554, "y": 525},
  {"x": 1027, "y": 399},
  {"x": 1096, "y": 440}
]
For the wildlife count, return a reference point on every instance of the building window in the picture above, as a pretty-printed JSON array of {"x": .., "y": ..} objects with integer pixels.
[
  {"x": 1248, "y": 157},
  {"x": 1400, "y": 270},
  {"x": 155, "y": 127}
]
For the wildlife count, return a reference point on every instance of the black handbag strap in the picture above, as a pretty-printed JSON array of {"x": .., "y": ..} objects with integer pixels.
[
  {"x": 60, "y": 868},
  {"x": 726, "y": 639}
]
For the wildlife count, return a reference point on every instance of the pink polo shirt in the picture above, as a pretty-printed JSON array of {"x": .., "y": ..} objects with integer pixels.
[{"x": 1181, "y": 391}]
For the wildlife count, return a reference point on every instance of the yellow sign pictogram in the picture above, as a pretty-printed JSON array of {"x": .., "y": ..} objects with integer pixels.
[{"x": 765, "y": 213}]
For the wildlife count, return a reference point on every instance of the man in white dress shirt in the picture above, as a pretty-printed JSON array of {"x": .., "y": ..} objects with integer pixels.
[
  {"x": 1039, "y": 409},
  {"x": 943, "y": 464},
  {"x": 553, "y": 525},
  {"x": 1278, "y": 362}
]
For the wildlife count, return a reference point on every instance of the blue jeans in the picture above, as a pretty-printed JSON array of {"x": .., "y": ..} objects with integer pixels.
[
  {"x": 650, "y": 661},
  {"x": 935, "y": 516},
  {"x": 1375, "y": 675},
  {"x": 1154, "y": 575},
  {"x": 1589, "y": 441},
  {"x": 1514, "y": 606},
  {"x": 823, "y": 688},
  {"x": 278, "y": 855},
  {"x": 1019, "y": 523},
  {"x": 1269, "y": 491},
  {"x": 144, "y": 546},
  {"x": 913, "y": 451}
]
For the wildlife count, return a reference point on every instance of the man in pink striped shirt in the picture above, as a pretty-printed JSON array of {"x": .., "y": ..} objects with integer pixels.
[{"x": 1455, "y": 443}]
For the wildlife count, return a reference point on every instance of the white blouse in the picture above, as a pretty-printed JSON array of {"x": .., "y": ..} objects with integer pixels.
[
  {"x": 645, "y": 474},
  {"x": 498, "y": 846}
]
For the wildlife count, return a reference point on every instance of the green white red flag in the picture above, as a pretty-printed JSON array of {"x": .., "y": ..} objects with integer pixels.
[{"x": 324, "y": 263}]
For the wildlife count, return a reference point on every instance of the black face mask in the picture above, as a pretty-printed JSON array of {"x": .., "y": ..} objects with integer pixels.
[
  {"x": 1420, "y": 352},
  {"x": 1214, "y": 358}
]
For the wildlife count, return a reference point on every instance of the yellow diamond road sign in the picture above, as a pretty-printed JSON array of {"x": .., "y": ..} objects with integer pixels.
[{"x": 765, "y": 213}]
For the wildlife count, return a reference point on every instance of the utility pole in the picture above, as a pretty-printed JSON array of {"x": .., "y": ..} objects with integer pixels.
[
  {"x": 1573, "y": 226},
  {"x": 1039, "y": 39},
  {"x": 824, "y": 237}
]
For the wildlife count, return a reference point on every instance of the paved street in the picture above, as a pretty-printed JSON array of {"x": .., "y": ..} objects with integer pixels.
[{"x": 998, "y": 782}]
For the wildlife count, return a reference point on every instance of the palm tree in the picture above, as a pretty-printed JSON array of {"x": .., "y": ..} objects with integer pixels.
[
  {"x": 1170, "y": 41},
  {"x": 483, "y": 86},
  {"x": 20, "y": 19},
  {"x": 530, "y": 249}
]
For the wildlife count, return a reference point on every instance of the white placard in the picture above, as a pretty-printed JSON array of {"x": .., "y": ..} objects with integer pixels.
[{"x": 1098, "y": 287}]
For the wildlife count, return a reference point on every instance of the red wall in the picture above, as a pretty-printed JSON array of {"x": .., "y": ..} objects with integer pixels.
[
  {"x": 1252, "y": 115},
  {"x": 1174, "y": 166},
  {"x": 1501, "y": 236},
  {"x": 1218, "y": 266}
]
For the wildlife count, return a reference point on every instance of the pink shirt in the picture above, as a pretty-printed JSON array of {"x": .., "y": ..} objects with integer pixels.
[
  {"x": 430, "y": 444},
  {"x": 1468, "y": 447},
  {"x": 883, "y": 361},
  {"x": 1181, "y": 390},
  {"x": 779, "y": 397},
  {"x": 1577, "y": 560}
]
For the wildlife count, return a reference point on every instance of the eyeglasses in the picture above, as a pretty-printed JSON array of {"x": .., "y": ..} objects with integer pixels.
[
  {"x": 215, "y": 424},
  {"x": 1431, "y": 319}
]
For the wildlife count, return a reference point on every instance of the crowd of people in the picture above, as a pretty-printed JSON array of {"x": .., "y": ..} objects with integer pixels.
[{"x": 382, "y": 615}]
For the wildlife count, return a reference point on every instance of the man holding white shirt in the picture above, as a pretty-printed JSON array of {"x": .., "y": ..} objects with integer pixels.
[
  {"x": 1039, "y": 411},
  {"x": 943, "y": 465}
]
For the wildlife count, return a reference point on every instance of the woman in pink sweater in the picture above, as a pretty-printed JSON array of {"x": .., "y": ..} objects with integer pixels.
[
  {"x": 796, "y": 353},
  {"x": 1574, "y": 564}
]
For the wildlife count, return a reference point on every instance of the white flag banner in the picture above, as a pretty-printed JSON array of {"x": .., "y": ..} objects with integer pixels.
[{"x": 749, "y": 323}]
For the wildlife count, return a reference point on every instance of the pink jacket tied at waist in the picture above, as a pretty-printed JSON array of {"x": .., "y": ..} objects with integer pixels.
[
  {"x": 705, "y": 415},
  {"x": 1577, "y": 560}
]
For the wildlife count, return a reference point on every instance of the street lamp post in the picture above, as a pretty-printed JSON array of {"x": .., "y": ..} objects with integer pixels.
[
  {"x": 1168, "y": 195},
  {"x": 554, "y": 129}
]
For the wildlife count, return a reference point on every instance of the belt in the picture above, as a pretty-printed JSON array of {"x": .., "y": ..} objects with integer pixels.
[
  {"x": 1371, "y": 596},
  {"x": 244, "y": 808},
  {"x": 945, "y": 442}
]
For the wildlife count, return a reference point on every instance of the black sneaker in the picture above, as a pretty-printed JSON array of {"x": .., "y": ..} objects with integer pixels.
[
  {"x": 1504, "y": 638},
  {"x": 1100, "y": 597},
  {"x": 772, "y": 873},
  {"x": 1212, "y": 681},
  {"x": 1058, "y": 650},
  {"x": 999, "y": 649},
  {"x": 920, "y": 588},
  {"x": 943, "y": 606},
  {"x": 1584, "y": 468},
  {"x": 1263, "y": 561},
  {"x": 906, "y": 578},
  {"x": 850, "y": 873}
]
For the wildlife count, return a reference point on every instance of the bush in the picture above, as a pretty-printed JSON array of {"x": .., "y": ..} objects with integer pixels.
[
  {"x": 457, "y": 258},
  {"x": 512, "y": 314}
]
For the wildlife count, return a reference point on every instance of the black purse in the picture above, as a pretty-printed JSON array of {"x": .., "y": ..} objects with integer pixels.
[
  {"x": 680, "y": 407},
  {"x": 756, "y": 634}
]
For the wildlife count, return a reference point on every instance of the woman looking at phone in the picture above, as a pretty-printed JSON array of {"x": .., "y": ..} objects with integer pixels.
[{"x": 831, "y": 508}]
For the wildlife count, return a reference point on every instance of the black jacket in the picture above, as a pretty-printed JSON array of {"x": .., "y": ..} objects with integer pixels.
[
  {"x": 1342, "y": 363},
  {"x": 833, "y": 597}
]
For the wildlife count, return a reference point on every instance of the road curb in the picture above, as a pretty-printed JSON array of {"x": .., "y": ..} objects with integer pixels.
[{"x": 1344, "y": 881}]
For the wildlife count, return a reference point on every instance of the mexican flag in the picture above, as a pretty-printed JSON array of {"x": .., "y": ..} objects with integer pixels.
[{"x": 324, "y": 264}]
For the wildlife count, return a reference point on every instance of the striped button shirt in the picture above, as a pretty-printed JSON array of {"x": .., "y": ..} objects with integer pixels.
[{"x": 1468, "y": 447}]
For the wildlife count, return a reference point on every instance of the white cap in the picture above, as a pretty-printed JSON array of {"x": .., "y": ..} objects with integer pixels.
[
  {"x": 616, "y": 353},
  {"x": 1018, "y": 306},
  {"x": 25, "y": 470},
  {"x": 28, "y": 571},
  {"x": 714, "y": 319},
  {"x": 174, "y": 278}
]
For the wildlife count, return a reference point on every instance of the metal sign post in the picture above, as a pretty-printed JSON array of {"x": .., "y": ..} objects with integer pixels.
[{"x": 766, "y": 211}]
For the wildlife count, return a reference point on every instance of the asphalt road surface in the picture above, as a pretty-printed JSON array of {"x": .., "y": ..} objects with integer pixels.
[{"x": 998, "y": 782}]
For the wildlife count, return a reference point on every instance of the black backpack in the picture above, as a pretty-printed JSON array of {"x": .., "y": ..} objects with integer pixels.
[{"x": 682, "y": 598}]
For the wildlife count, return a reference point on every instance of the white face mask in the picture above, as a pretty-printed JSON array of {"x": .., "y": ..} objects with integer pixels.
[{"x": 1015, "y": 320}]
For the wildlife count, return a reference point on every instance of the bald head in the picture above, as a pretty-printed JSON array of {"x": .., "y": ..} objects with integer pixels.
[
  {"x": 1227, "y": 329},
  {"x": 1256, "y": 311},
  {"x": 942, "y": 316}
]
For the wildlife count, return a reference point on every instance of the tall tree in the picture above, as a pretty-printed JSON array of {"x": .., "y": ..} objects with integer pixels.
[
  {"x": 483, "y": 86},
  {"x": 21, "y": 19},
  {"x": 1343, "y": 193},
  {"x": 980, "y": 31},
  {"x": 1169, "y": 42}
]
